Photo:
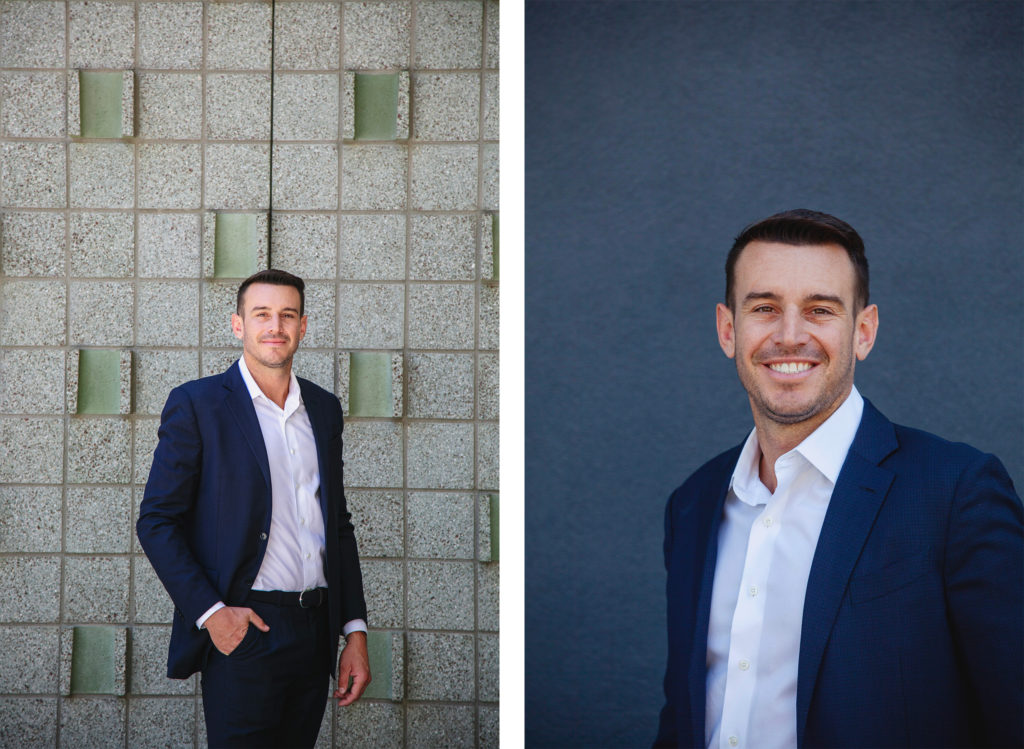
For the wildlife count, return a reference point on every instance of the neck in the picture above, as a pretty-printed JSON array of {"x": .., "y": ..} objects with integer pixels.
[{"x": 273, "y": 381}]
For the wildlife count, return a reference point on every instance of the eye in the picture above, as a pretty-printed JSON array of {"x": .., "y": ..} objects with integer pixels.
[
  {"x": 764, "y": 308},
  {"x": 821, "y": 311}
]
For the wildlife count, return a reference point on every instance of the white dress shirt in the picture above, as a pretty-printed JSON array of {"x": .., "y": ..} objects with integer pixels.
[
  {"x": 765, "y": 547},
  {"x": 294, "y": 559}
]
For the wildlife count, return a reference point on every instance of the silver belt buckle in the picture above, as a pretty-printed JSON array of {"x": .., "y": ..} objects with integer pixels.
[{"x": 302, "y": 597}]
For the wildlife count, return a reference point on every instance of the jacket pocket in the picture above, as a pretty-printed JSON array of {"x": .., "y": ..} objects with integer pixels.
[{"x": 893, "y": 577}]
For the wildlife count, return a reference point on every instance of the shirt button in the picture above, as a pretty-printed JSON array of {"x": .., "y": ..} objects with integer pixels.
[
  {"x": 307, "y": 555},
  {"x": 768, "y": 522},
  {"x": 744, "y": 665},
  {"x": 753, "y": 591},
  {"x": 733, "y": 741},
  {"x": 263, "y": 537}
]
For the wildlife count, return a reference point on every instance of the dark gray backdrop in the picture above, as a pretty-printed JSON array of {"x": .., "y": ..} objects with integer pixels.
[{"x": 654, "y": 133}]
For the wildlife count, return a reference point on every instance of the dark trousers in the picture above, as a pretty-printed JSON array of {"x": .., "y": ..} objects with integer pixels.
[{"x": 272, "y": 689}]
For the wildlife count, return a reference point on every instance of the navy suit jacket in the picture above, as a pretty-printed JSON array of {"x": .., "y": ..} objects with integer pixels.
[
  {"x": 205, "y": 515},
  {"x": 912, "y": 624}
]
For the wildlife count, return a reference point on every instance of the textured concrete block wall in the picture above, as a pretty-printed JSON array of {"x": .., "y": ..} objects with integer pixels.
[{"x": 107, "y": 245}]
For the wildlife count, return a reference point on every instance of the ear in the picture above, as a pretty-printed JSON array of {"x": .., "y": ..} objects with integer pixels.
[
  {"x": 726, "y": 329},
  {"x": 302, "y": 327},
  {"x": 865, "y": 331},
  {"x": 236, "y": 326}
]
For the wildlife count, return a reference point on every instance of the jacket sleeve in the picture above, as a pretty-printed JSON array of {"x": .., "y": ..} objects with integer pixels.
[
  {"x": 167, "y": 505},
  {"x": 984, "y": 571},
  {"x": 353, "y": 605}
]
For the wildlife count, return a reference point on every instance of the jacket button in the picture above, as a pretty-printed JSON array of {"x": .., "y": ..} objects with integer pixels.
[{"x": 263, "y": 537}]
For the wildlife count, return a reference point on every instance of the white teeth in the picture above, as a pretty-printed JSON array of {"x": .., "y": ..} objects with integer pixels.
[{"x": 790, "y": 367}]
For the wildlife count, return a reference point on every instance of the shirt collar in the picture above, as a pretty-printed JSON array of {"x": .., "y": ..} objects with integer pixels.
[
  {"x": 825, "y": 448},
  {"x": 293, "y": 400}
]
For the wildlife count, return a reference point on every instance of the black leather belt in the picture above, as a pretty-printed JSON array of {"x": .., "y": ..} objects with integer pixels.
[{"x": 307, "y": 599}]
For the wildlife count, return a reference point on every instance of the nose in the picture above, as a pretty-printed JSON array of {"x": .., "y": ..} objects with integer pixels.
[{"x": 791, "y": 330}]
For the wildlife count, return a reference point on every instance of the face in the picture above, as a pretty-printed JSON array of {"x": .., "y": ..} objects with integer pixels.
[
  {"x": 270, "y": 327},
  {"x": 795, "y": 332}
]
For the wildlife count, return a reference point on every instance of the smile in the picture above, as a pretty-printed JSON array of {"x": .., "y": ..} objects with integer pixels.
[{"x": 790, "y": 367}]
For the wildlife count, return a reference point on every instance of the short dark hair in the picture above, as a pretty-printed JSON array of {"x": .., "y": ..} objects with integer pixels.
[
  {"x": 803, "y": 227},
  {"x": 277, "y": 278}
]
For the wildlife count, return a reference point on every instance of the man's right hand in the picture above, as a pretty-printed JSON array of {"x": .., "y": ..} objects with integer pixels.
[{"x": 227, "y": 626}]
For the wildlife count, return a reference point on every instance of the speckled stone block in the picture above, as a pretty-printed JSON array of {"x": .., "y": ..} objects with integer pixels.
[
  {"x": 487, "y": 610},
  {"x": 431, "y": 726},
  {"x": 440, "y": 386},
  {"x": 490, "y": 261},
  {"x": 29, "y": 660},
  {"x": 444, "y": 177},
  {"x": 30, "y": 518},
  {"x": 488, "y": 514},
  {"x": 487, "y": 456},
  {"x": 168, "y": 316},
  {"x": 32, "y": 34},
  {"x": 31, "y": 450},
  {"x": 443, "y": 248},
  {"x": 373, "y": 454},
  {"x": 102, "y": 175},
  {"x": 306, "y": 36},
  {"x": 99, "y": 518},
  {"x": 305, "y": 177},
  {"x": 487, "y": 658},
  {"x": 343, "y": 383},
  {"x": 95, "y": 589},
  {"x": 320, "y": 305},
  {"x": 306, "y": 106},
  {"x": 440, "y": 455},
  {"x": 32, "y": 175},
  {"x": 440, "y": 595},
  {"x": 488, "y": 394},
  {"x": 98, "y": 450},
  {"x": 448, "y": 34},
  {"x": 490, "y": 158},
  {"x": 170, "y": 104},
  {"x": 20, "y": 578},
  {"x": 161, "y": 722},
  {"x": 31, "y": 381},
  {"x": 373, "y": 177},
  {"x": 95, "y": 722},
  {"x": 169, "y": 245},
  {"x": 170, "y": 35},
  {"x": 373, "y": 725},
  {"x": 490, "y": 309},
  {"x": 101, "y": 35},
  {"x": 211, "y": 265},
  {"x": 372, "y": 247},
  {"x": 32, "y": 244},
  {"x": 377, "y": 516},
  {"x": 144, "y": 433},
  {"x": 29, "y": 722},
  {"x": 382, "y": 586},
  {"x": 238, "y": 106},
  {"x": 440, "y": 525},
  {"x": 315, "y": 366},
  {"x": 152, "y": 605},
  {"x": 33, "y": 105},
  {"x": 491, "y": 54},
  {"x": 218, "y": 304},
  {"x": 149, "y": 666},
  {"x": 376, "y": 35},
  {"x": 492, "y": 109},
  {"x": 446, "y": 106},
  {"x": 169, "y": 175},
  {"x": 237, "y": 176},
  {"x": 370, "y": 315},
  {"x": 101, "y": 244},
  {"x": 441, "y": 316},
  {"x": 440, "y": 666},
  {"x": 238, "y": 36},
  {"x": 158, "y": 372},
  {"x": 303, "y": 244},
  {"x": 101, "y": 312}
]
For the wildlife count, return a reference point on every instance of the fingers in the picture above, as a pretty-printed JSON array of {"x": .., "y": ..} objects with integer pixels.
[
  {"x": 359, "y": 683},
  {"x": 255, "y": 619}
]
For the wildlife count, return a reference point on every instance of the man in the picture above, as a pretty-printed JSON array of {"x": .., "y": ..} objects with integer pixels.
[
  {"x": 244, "y": 521},
  {"x": 836, "y": 580}
]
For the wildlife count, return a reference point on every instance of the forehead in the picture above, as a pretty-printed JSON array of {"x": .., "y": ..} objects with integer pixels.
[
  {"x": 798, "y": 270},
  {"x": 271, "y": 295}
]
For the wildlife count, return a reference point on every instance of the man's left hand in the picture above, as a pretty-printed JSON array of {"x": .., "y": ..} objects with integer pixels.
[{"x": 354, "y": 666}]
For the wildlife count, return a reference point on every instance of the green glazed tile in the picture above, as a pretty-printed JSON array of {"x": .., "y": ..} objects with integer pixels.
[
  {"x": 495, "y": 517},
  {"x": 381, "y": 663},
  {"x": 234, "y": 245},
  {"x": 100, "y": 104},
  {"x": 370, "y": 386},
  {"x": 494, "y": 246},
  {"x": 99, "y": 381},
  {"x": 376, "y": 106},
  {"x": 93, "y": 661}
]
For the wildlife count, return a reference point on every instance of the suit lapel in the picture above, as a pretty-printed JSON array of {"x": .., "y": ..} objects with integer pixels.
[
  {"x": 858, "y": 495},
  {"x": 239, "y": 402}
]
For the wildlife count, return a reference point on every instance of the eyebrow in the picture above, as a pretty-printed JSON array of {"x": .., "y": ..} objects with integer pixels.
[
  {"x": 264, "y": 307},
  {"x": 773, "y": 297}
]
